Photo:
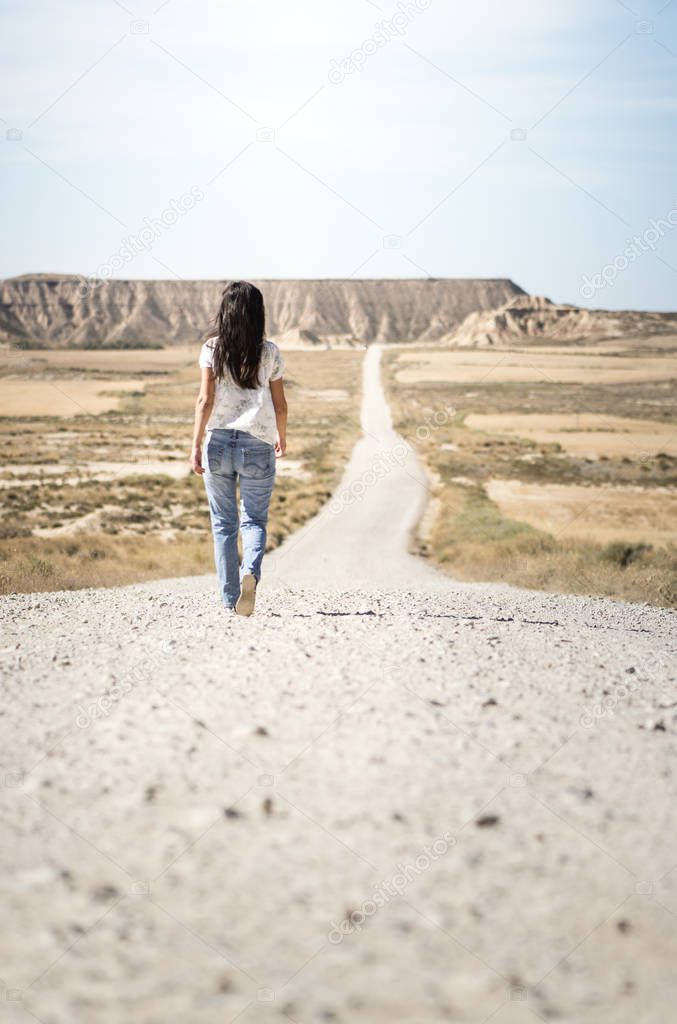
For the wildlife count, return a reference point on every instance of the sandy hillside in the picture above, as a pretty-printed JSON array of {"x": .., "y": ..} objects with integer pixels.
[
  {"x": 387, "y": 797},
  {"x": 64, "y": 311},
  {"x": 531, "y": 319}
]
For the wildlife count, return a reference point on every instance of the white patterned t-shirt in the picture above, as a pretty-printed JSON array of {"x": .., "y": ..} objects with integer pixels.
[{"x": 249, "y": 409}]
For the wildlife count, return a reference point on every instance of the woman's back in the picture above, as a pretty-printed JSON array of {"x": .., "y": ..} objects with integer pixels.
[{"x": 249, "y": 409}]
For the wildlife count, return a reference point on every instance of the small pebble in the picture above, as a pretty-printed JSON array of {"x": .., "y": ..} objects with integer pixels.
[{"x": 488, "y": 821}]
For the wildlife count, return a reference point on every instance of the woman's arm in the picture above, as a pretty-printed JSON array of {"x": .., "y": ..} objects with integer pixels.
[
  {"x": 203, "y": 410},
  {"x": 280, "y": 406}
]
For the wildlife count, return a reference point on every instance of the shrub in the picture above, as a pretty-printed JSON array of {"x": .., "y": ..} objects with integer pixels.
[{"x": 623, "y": 553}]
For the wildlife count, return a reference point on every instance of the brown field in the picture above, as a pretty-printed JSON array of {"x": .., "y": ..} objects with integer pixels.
[
  {"x": 545, "y": 478},
  {"x": 613, "y": 346},
  {"x": 566, "y": 510},
  {"x": 100, "y": 498},
  {"x": 71, "y": 397},
  {"x": 557, "y": 366},
  {"x": 92, "y": 361},
  {"x": 587, "y": 434}
]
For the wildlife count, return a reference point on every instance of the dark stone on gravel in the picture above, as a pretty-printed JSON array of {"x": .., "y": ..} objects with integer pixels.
[{"x": 103, "y": 893}]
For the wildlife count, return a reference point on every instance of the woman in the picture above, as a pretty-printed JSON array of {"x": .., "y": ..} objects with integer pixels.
[{"x": 242, "y": 406}]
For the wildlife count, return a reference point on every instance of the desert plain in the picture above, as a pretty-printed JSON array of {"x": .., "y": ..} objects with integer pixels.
[{"x": 543, "y": 461}]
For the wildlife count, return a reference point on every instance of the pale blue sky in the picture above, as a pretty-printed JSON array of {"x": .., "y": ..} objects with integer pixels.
[{"x": 404, "y": 168}]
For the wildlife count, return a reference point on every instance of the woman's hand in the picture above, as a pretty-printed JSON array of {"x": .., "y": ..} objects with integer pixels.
[
  {"x": 203, "y": 410},
  {"x": 280, "y": 406},
  {"x": 196, "y": 460}
]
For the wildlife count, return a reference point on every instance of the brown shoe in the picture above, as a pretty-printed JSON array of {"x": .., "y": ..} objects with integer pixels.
[{"x": 245, "y": 602}]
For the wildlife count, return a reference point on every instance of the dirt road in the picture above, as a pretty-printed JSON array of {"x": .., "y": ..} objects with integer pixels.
[{"x": 386, "y": 797}]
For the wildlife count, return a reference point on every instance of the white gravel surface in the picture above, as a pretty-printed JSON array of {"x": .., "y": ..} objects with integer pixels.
[{"x": 195, "y": 803}]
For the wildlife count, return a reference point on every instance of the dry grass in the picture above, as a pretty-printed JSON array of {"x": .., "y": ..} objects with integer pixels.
[
  {"x": 98, "y": 500},
  {"x": 473, "y": 540},
  {"x": 32, "y": 564},
  {"x": 523, "y": 540}
]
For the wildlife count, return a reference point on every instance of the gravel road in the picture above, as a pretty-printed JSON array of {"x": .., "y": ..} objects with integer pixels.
[{"x": 386, "y": 797}]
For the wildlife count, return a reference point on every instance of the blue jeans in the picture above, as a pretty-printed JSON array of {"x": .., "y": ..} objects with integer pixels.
[{"x": 229, "y": 456}]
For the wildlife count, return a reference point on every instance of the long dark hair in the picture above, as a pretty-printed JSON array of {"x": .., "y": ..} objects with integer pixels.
[{"x": 238, "y": 338}]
